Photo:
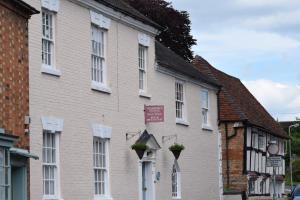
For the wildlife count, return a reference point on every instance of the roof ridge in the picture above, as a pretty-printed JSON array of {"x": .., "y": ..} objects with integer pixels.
[{"x": 197, "y": 57}]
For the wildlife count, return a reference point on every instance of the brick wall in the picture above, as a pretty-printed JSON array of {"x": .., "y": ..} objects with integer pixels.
[
  {"x": 237, "y": 181},
  {"x": 14, "y": 103}
]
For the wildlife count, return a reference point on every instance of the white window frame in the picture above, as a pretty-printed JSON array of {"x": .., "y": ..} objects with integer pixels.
[
  {"x": 176, "y": 181},
  {"x": 49, "y": 68},
  {"x": 99, "y": 72},
  {"x": 143, "y": 64},
  {"x": 49, "y": 40},
  {"x": 55, "y": 165},
  {"x": 181, "y": 118},
  {"x": 6, "y": 170},
  {"x": 261, "y": 141},
  {"x": 106, "y": 195},
  {"x": 205, "y": 109}
]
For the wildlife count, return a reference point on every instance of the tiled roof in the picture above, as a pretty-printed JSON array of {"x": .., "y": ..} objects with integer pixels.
[
  {"x": 126, "y": 9},
  {"x": 165, "y": 57},
  {"x": 236, "y": 103}
]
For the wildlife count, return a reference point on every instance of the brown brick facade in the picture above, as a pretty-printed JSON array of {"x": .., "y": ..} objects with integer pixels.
[
  {"x": 234, "y": 158},
  {"x": 14, "y": 85}
]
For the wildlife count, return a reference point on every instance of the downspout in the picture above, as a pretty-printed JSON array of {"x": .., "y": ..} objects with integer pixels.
[
  {"x": 227, "y": 155},
  {"x": 228, "y": 137}
]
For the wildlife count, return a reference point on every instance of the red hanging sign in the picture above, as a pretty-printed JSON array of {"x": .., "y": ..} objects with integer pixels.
[{"x": 154, "y": 113}]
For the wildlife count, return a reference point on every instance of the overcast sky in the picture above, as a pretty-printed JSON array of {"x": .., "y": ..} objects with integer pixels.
[{"x": 257, "y": 41}]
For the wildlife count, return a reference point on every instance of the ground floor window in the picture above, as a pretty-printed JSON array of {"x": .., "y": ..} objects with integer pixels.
[
  {"x": 50, "y": 165},
  {"x": 4, "y": 174},
  {"x": 263, "y": 187},
  {"x": 176, "y": 189},
  {"x": 251, "y": 185},
  {"x": 100, "y": 155}
]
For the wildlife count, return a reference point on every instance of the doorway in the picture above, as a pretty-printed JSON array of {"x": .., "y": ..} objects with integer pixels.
[
  {"x": 147, "y": 181},
  {"x": 18, "y": 183}
]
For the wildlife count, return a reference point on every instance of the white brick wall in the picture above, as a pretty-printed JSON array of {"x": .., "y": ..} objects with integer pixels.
[{"x": 71, "y": 98}]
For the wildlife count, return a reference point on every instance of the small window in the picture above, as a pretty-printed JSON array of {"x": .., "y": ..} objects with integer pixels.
[
  {"x": 262, "y": 187},
  {"x": 4, "y": 174},
  {"x": 100, "y": 167},
  {"x": 261, "y": 141},
  {"x": 179, "y": 96},
  {"x": 142, "y": 67},
  {"x": 50, "y": 166},
  {"x": 251, "y": 185},
  {"x": 48, "y": 38},
  {"x": 205, "y": 107},
  {"x": 98, "y": 69},
  {"x": 255, "y": 140},
  {"x": 176, "y": 186}
]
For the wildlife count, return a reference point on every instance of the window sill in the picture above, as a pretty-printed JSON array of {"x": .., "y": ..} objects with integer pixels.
[
  {"x": 144, "y": 95},
  {"x": 50, "y": 70},
  {"x": 182, "y": 122},
  {"x": 176, "y": 198},
  {"x": 100, "y": 87},
  {"x": 51, "y": 198},
  {"x": 207, "y": 128},
  {"x": 103, "y": 198}
]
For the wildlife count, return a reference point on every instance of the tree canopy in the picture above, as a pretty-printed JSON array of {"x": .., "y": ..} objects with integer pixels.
[{"x": 176, "y": 33}]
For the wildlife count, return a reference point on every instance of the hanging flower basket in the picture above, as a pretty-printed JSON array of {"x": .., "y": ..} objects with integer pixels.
[
  {"x": 140, "y": 149},
  {"x": 176, "y": 150}
]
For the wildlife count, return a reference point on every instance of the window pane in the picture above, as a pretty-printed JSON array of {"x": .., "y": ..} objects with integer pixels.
[
  {"x": 2, "y": 192},
  {"x": 174, "y": 181},
  {"x": 179, "y": 96},
  {"x": 142, "y": 66},
  {"x": 99, "y": 165},
  {"x": 49, "y": 161},
  {"x": 1, "y": 157},
  {"x": 97, "y": 61},
  {"x": 204, "y": 115},
  {"x": 205, "y": 99}
]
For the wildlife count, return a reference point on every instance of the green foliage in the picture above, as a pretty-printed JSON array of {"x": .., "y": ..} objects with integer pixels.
[
  {"x": 176, "y": 147},
  {"x": 139, "y": 146},
  {"x": 176, "y": 33},
  {"x": 295, "y": 143}
]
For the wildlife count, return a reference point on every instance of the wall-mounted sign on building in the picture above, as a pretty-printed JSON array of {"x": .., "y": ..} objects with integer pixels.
[
  {"x": 154, "y": 113},
  {"x": 274, "y": 161}
]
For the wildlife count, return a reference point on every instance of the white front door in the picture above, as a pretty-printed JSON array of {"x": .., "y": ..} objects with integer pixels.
[{"x": 147, "y": 181}]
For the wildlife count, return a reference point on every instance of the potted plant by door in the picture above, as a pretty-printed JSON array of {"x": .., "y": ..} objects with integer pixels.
[
  {"x": 176, "y": 150},
  {"x": 140, "y": 149}
]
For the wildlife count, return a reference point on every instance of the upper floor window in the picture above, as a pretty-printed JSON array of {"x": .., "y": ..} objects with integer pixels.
[
  {"x": 179, "y": 100},
  {"x": 176, "y": 187},
  {"x": 50, "y": 165},
  {"x": 48, "y": 38},
  {"x": 4, "y": 174},
  {"x": 261, "y": 141},
  {"x": 100, "y": 156},
  {"x": 255, "y": 140},
  {"x": 142, "y": 67},
  {"x": 205, "y": 108},
  {"x": 98, "y": 68}
]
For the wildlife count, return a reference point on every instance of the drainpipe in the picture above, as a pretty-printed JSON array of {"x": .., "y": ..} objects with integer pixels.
[{"x": 228, "y": 137}]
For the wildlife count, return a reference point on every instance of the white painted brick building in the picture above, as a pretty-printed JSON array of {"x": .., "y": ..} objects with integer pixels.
[{"x": 65, "y": 105}]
